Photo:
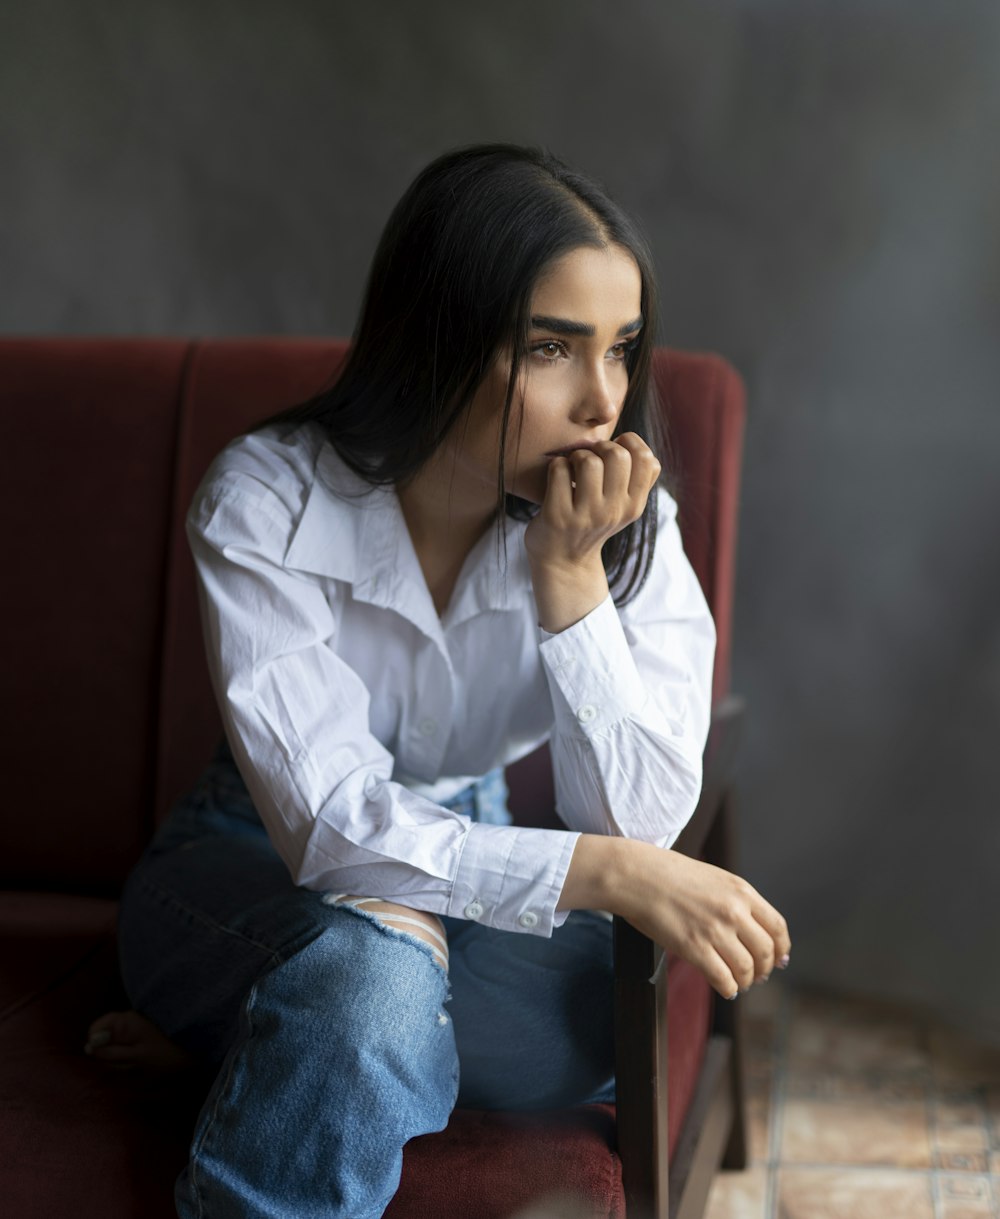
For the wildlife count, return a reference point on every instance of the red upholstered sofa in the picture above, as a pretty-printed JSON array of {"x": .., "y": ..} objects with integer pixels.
[{"x": 109, "y": 716}]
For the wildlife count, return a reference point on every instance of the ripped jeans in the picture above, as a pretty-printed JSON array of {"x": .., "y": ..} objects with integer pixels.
[{"x": 337, "y": 1038}]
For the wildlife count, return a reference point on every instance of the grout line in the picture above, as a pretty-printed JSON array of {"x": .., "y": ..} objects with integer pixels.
[
  {"x": 936, "y": 1200},
  {"x": 931, "y": 1095},
  {"x": 934, "y": 1097},
  {"x": 776, "y": 1108}
]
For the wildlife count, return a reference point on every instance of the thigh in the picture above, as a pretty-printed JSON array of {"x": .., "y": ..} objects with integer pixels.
[
  {"x": 534, "y": 1017},
  {"x": 200, "y": 923}
]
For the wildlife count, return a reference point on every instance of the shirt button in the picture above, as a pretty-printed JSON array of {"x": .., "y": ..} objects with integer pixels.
[
  {"x": 587, "y": 713},
  {"x": 474, "y": 911},
  {"x": 427, "y": 726},
  {"x": 528, "y": 919}
]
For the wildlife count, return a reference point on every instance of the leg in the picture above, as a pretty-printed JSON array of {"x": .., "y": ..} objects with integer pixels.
[
  {"x": 336, "y": 1045},
  {"x": 426, "y": 927},
  {"x": 534, "y": 1017}
]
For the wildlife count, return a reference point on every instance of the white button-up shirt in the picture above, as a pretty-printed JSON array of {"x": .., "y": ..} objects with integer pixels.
[{"x": 353, "y": 708}]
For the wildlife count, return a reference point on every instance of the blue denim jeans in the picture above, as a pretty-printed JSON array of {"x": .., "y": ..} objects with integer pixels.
[{"x": 337, "y": 1038}]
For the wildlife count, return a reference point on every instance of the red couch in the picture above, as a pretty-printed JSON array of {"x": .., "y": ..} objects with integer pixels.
[{"x": 110, "y": 716}]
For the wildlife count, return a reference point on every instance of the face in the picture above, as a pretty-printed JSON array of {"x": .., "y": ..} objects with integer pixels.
[{"x": 585, "y": 316}]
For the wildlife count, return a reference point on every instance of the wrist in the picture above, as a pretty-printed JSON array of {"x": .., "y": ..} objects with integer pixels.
[
  {"x": 566, "y": 592},
  {"x": 598, "y": 873}
]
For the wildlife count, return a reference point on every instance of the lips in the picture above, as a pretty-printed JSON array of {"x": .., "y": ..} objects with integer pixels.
[{"x": 572, "y": 448}]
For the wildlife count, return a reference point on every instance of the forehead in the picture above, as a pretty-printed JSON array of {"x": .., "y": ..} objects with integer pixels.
[{"x": 599, "y": 286}]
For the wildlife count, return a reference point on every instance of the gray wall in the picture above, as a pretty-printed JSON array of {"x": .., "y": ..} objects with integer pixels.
[{"x": 820, "y": 182}]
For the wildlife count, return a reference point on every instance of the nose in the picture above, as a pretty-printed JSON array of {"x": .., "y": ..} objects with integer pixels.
[{"x": 599, "y": 398}]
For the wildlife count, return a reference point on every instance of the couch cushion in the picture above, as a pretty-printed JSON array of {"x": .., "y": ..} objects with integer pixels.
[
  {"x": 78, "y": 1139},
  {"x": 89, "y": 436},
  {"x": 44, "y": 939},
  {"x": 490, "y": 1165},
  {"x": 231, "y": 384},
  {"x": 84, "y": 1140}
]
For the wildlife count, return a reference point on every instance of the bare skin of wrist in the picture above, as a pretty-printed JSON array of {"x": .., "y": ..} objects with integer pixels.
[
  {"x": 566, "y": 593},
  {"x": 708, "y": 916}
]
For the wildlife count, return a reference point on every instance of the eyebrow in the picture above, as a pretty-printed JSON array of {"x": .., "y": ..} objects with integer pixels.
[{"x": 562, "y": 325}]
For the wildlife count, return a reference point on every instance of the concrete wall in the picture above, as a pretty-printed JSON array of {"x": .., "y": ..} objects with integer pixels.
[{"x": 821, "y": 184}]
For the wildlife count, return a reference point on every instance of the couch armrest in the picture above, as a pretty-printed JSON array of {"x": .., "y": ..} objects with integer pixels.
[{"x": 640, "y": 1008}]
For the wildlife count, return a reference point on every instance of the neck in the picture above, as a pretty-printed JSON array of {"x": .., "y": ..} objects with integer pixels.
[{"x": 444, "y": 524}]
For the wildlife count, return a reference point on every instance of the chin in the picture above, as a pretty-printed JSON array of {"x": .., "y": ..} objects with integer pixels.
[{"x": 530, "y": 489}]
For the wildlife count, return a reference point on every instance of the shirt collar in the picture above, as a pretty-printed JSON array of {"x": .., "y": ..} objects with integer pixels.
[{"x": 354, "y": 532}]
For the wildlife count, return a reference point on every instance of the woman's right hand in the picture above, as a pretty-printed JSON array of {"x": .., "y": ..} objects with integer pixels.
[{"x": 708, "y": 916}]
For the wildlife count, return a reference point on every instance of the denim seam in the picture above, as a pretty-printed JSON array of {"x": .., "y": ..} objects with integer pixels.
[
  {"x": 209, "y": 1125},
  {"x": 198, "y": 916}
]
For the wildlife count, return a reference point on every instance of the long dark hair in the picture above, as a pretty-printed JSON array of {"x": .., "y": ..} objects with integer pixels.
[{"x": 449, "y": 289}]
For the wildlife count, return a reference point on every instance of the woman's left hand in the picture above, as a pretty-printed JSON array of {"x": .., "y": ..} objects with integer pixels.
[{"x": 591, "y": 494}]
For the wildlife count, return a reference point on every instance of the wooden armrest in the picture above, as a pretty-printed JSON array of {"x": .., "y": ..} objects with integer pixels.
[{"x": 640, "y": 1030}]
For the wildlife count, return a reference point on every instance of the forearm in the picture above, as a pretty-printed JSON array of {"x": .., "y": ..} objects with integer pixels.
[
  {"x": 706, "y": 915},
  {"x": 593, "y": 880},
  {"x": 564, "y": 594},
  {"x": 607, "y": 873}
]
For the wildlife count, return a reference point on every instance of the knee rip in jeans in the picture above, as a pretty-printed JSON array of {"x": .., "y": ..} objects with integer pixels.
[{"x": 426, "y": 928}]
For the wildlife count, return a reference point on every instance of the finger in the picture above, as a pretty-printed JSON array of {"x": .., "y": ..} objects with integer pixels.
[
  {"x": 645, "y": 468},
  {"x": 718, "y": 974},
  {"x": 588, "y": 475},
  {"x": 740, "y": 961},
  {"x": 774, "y": 924},
  {"x": 760, "y": 944},
  {"x": 617, "y": 470},
  {"x": 559, "y": 487}
]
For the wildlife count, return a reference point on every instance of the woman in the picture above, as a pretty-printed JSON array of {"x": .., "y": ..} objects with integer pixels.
[{"x": 408, "y": 582}]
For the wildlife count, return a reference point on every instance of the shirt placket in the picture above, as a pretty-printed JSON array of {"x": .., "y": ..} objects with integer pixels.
[{"x": 433, "y": 713}]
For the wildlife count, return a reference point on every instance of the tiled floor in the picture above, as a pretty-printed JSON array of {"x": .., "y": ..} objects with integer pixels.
[{"x": 862, "y": 1111}]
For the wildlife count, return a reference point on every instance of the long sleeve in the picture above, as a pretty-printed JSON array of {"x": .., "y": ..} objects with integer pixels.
[
  {"x": 631, "y": 691},
  {"x": 297, "y": 715}
]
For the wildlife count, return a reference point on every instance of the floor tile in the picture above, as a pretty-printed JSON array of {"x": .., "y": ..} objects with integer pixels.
[
  {"x": 958, "y": 1113},
  {"x": 967, "y": 1138},
  {"x": 966, "y": 1210},
  {"x": 813, "y": 1085},
  {"x": 848, "y": 1132},
  {"x": 739, "y": 1195},
  {"x": 807, "y": 1193},
  {"x": 958, "y": 1060},
  {"x": 965, "y": 1197},
  {"x": 965, "y": 1187},
  {"x": 956, "y": 1161},
  {"x": 851, "y": 1037}
]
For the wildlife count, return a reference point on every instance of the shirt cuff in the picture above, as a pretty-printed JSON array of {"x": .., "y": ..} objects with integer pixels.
[
  {"x": 511, "y": 877},
  {"x": 591, "y": 665}
]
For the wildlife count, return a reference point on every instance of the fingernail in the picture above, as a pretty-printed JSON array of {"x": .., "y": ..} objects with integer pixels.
[
  {"x": 736, "y": 996},
  {"x": 98, "y": 1041},
  {"x": 763, "y": 978},
  {"x": 783, "y": 962}
]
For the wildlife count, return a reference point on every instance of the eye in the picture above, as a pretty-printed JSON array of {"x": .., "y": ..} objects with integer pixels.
[
  {"x": 621, "y": 351},
  {"x": 549, "y": 350}
]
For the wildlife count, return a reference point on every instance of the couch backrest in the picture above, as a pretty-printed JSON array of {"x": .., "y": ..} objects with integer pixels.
[{"x": 110, "y": 713}]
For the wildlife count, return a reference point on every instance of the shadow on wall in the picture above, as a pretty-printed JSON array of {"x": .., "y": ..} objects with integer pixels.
[{"x": 821, "y": 186}]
